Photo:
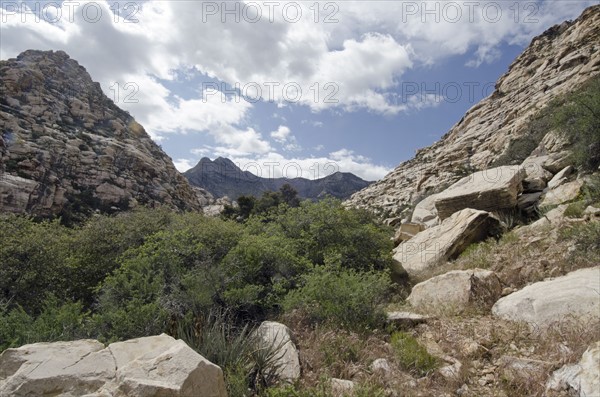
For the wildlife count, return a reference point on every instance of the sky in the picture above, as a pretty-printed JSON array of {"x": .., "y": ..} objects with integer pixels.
[{"x": 289, "y": 88}]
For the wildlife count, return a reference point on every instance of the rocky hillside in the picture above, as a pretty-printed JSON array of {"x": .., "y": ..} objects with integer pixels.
[
  {"x": 223, "y": 178},
  {"x": 556, "y": 62},
  {"x": 67, "y": 148}
]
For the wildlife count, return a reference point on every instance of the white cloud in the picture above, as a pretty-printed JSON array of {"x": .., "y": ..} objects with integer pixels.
[
  {"x": 183, "y": 165},
  {"x": 275, "y": 165},
  {"x": 363, "y": 56},
  {"x": 282, "y": 134}
]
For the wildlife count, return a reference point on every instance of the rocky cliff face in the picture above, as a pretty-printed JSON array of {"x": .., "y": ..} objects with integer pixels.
[
  {"x": 66, "y": 147},
  {"x": 556, "y": 62},
  {"x": 222, "y": 177}
]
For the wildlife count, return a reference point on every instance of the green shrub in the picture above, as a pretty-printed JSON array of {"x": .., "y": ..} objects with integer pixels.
[
  {"x": 234, "y": 349},
  {"x": 326, "y": 229},
  {"x": 341, "y": 297},
  {"x": 56, "y": 322},
  {"x": 575, "y": 210},
  {"x": 259, "y": 271},
  {"x": 578, "y": 119},
  {"x": 576, "y": 116},
  {"x": 97, "y": 245},
  {"x": 411, "y": 355},
  {"x": 590, "y": 195},
  {"x": 32, "y": 262}
]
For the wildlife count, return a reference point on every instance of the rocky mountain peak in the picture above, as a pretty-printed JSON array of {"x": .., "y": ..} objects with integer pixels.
[
  {"x": 66, "y": 147},
  {"x": 556, "y": 62}
]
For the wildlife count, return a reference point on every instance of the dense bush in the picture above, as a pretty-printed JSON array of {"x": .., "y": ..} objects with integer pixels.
[
  {"x": 142, "y": 272},
  {"x": 259, "y": 271},
  {"x": 341, "y": 297},
  {"x": 327, "y": 230},
  {"x": 33, "y": 258},
  {"x": 56, "y": 321}
]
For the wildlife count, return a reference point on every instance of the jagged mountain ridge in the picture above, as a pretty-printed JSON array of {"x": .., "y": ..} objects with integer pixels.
[
  {"x": 66, "y": 145},
  {"x": 555, "y": 62},
  {"x": 222, "y": 177}
]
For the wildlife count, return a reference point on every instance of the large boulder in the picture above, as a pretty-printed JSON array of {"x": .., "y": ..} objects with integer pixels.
[
  {"x": 560, "y": 177},
  {"x": 456, "y": 290},
  {"x": 536, "y": 176},
  {"x": 273, "y": 335},
  {"x": 407, "y": 231},
  {"x": 582, "y": 378},
  {"x": 489, "y": 190},
  {"x": 150, "y": 366},
  {"x": 562, "y": 193},
  {"x": 425, "y": 212},
  {"x": 445, "y": 241},
  {"x": 571, "y": 297}
]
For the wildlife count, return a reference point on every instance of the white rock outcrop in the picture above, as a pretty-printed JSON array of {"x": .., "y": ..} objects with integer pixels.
[
  {"x": 407, "y": 231},
  {"x": 575, "y": 296},
  {"x": 583, "y": 378},
  {"x": 456, "y": 290},
  {"x": 562, "y": 193},
  {"x": 489, "y": 190},
  {"x": 425, "y": 212},
  {"x": 274, "y": 335},
  {"x": 150, "y": 366},
  {"x": 487, "y": 131},
  {"x": 445, "y": 241}
]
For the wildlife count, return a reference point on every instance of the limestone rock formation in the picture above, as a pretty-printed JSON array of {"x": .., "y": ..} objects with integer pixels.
[
  {"x": 570, "y": 297},
  {"x": 273, "y": 335},
  {"x": 456, "y": 290},
  {"x": 562, "y": 193},
  {"x": 489, "y": 190},
  {"x": 582, "y": 378},
  {"x": 66, "y": 147},
  {"x": 556, "y": 62},
  {"x": 407, "y": 231},
  {"x": 150, "y": 366},
  {"x": 445, "y": 241}
]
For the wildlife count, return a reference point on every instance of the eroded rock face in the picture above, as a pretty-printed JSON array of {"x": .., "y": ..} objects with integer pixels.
[
  {"x": 445, "y": 241},
  {"x": 487, "y": 129},
  {"x": 490, "y": 190},
  {"x": 273, "y": 335},
  {"x": 573, "y": 297},
  {"x": 66, "y": 146},
  {"x": 455, "y": 290},
  {"x": 150, "y": 366}
]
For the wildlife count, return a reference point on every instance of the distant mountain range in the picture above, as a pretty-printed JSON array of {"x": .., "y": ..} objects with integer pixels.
[{"x": 223, "y": 178}]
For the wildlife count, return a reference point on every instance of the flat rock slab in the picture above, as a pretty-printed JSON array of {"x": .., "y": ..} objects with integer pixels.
[
  {"x": 406, "y": 318},
  {"x": 445, "y": 241},
  {"x": 455, "y": 290},
  {"x": 150, "y": 366},
  {"x": 562, "y": 193},
  {"x": 489, "y": 190},
  {"x": 574, "y": 296}
]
